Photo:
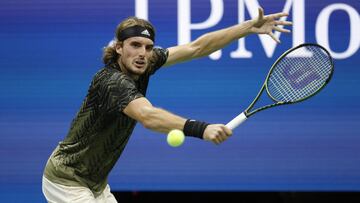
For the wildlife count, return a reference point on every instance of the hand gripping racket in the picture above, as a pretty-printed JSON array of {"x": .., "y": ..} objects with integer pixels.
[{"x": 298, "y": 74}]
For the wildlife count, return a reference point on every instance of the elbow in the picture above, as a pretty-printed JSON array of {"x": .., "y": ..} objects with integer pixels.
[
  {"x": 148, "y": 125},
  {"x": 146, "y": 117},
  {"x": 196, "y": 49},
  {"x": 202, "y": 46}
]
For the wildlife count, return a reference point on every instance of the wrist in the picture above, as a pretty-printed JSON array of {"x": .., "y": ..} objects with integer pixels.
[
  {"x": 195, "y": 128},
  {"x": 250, "y": 24}
]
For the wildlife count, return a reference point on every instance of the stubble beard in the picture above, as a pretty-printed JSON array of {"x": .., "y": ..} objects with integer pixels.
[{"x": 129, "y": 68}]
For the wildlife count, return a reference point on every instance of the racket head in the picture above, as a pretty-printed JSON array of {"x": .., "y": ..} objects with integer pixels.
[{"x": 299, "y": 73}]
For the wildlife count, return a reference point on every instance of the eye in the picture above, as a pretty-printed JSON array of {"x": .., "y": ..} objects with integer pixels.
[
  {"x": 136, "y": 44},
  {"x": 149, "y": 47}
]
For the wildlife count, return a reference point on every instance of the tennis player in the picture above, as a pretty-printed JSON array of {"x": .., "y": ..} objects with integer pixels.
[{"x": 78, "y": 168}]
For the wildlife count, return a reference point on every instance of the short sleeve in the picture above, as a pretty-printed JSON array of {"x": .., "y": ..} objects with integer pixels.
[
  {"x": 159, "y": 58},
  {"x": 119, "y": 91}
]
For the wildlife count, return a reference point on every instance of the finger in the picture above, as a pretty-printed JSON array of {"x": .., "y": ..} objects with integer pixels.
[
  {"x": 216, "y": 141},
  {"x": 222, "y": 132},
  {"x": 278, "y": 22},
  {"x": 273, "y": 37},
  {"x": 281, "y": 29},
  {"x": 278, "y": 15},
  {"x": 227, "y": 130},
  {"x": 221, "y": 137}
]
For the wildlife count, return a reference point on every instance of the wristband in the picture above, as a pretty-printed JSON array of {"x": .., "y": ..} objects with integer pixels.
[{"x": 195, "y": 128}]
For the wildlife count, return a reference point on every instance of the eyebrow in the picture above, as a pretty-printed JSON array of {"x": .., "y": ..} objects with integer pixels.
[{"x": 137, "y": 41}]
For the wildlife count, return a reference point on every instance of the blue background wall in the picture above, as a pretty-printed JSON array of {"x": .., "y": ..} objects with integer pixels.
[{"x": 51, "y": 49}]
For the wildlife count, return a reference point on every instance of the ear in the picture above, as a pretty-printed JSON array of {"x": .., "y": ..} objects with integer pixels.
[{"x": 119, "y": 48}]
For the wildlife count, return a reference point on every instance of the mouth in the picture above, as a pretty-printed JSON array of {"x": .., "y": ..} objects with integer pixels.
[{"x": 140, "y": 63}]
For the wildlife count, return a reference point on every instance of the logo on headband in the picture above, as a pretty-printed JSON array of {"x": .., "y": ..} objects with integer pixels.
[{"x": 145, "y": 32}]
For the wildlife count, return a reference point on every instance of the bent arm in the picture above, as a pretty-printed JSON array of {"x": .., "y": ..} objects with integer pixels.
[{"x": 153, "y": 118}]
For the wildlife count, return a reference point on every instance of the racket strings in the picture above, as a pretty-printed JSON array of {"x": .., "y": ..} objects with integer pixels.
[{"x": 295, "y": 78}]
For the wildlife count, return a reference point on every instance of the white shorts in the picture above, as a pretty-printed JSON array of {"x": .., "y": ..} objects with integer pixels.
[{"x": 56, "y": 193}]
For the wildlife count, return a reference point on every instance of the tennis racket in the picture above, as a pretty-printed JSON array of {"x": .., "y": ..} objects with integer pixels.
[{"x": 298, "y": 74}]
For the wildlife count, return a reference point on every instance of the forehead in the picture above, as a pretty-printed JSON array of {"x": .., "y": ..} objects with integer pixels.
[{"x": 141, "y": 40}]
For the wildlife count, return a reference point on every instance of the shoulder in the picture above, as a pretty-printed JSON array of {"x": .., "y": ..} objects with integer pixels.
[
  {"x": 161, "y": 51},
  {"x": 159, "y": 58},
  {"x": 109, "y": 73},
  {"x": 119, "y": 80},
  {"x": 109, "y": 78},
  {"x": 161, "y": 54}
]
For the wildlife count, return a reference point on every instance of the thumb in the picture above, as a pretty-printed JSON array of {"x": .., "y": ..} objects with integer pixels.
[{"x": 261, "y": 13}]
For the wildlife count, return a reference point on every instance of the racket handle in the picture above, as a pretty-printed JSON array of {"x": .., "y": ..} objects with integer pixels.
[{"x": 236, "y": 121}]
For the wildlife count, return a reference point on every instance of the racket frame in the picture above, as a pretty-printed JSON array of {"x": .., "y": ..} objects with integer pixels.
[
  {"x": 265, "y": 85},
  {"x": 245, "y": 114}
]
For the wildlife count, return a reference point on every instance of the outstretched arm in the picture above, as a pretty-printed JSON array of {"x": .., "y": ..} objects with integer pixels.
[
  {"x": 213, "y": 41},
  {"x": 160, "y": 120}
]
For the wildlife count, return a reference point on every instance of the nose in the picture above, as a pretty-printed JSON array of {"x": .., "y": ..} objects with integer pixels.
[{"x": 142, "y": 51}]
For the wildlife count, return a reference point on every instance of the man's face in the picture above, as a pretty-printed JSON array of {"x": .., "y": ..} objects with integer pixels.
[{"x": 135, "y": 55}]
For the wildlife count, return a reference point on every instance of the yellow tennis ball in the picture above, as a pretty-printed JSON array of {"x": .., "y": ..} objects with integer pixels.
[{"x": 175, "y": 138}]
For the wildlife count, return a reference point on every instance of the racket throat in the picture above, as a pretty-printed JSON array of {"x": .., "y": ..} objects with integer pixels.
[{"x": 237, "y": 121}]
